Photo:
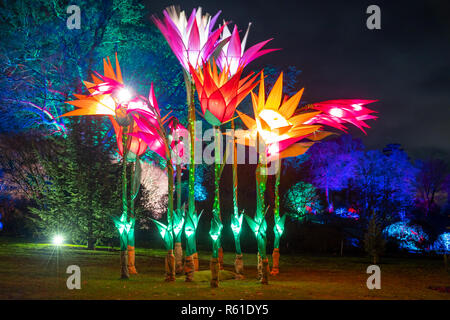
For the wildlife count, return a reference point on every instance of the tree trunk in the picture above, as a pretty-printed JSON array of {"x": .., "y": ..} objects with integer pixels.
[
  {"x": 91, "y": 244},
  {"x": 124, "y": 265}
]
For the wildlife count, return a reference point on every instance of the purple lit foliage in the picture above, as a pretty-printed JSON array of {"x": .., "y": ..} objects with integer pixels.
[
  {"x": 347, "y": 213},
  {"x": 385, "y": 181},
  {"x": 432, "y": 177},
  {"x": 333, "y": 164}
]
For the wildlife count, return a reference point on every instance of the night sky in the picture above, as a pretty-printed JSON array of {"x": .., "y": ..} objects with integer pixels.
[{"x": 405, "y": 65}]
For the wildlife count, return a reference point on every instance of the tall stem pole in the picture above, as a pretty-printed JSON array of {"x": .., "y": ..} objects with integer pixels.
[
  {"x": 191, "y": 115},
  {"x": 237, "y": 241},
  {"x": 217, "y": 167},
  {"x": 124, "y": 172},
  {"x": 124, "y": 238},
  {"x": 216, "y": 223},
  {"x": 276, "y": 210}
]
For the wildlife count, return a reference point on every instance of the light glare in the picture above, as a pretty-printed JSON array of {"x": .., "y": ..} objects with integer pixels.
[
  {"x": 336, "y": 112},
  {"x": 124, "y": 95},
  {"x": 58, "y": 240}
]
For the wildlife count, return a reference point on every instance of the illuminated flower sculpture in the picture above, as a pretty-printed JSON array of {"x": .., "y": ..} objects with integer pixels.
[
  {"x": 280, "y": 130},
  {"x": 233, "y": 54},
  {"x": 192, "y": 41},
  {"x": 152, "y": 130},
  {"x": 108, "y": 96},
  {"x": 219, "y": 95},
  {"x": 336, "y": 112}
]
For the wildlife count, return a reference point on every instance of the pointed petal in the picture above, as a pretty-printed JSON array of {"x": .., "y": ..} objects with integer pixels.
[
  {"x": 288, "y": 108},
  {"x": 274, "y": 98}
]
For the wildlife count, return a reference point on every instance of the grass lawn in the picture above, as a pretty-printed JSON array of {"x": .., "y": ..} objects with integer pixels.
[{"x": 37, "y": 271}]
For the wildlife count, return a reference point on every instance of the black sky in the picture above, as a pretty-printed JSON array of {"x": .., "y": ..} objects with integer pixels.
[{"x": 406, "y": 64}]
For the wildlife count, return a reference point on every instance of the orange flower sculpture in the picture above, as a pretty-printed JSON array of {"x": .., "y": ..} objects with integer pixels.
[
  {"x": 106, "y": 93},
  {"x": 278, "y": 128},
  {"x": 109, "y": 97},
  {"x": 220, "y": 94}
]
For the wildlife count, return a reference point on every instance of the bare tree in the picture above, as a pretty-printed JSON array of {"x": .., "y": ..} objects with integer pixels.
[{"x": 430, "y": 181}]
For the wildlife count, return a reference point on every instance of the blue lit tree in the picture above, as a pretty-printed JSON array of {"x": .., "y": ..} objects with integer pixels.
[
  {"x": 333, "y": 164},
  {"x": 385, "y": 182},
  {"x": 430, "y": 180},
  {"x": 43, "y": 62}
]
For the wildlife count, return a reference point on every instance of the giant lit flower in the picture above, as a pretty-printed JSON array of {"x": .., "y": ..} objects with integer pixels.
[
  {"x": 150, "y": 129},
  {"x": 220, "y": 94},
  {"x": 109, "y": 97},
  {"x": 278, "y": 128},
  {"x": 336, "y": 112},
  {"x": 233, "y": 54},
  {"x": 192, "y": 40},
  {"x": 107, "y": 94}
]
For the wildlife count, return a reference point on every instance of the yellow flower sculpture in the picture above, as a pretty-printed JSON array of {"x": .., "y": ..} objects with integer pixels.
[{"x": 279, "y": 129}]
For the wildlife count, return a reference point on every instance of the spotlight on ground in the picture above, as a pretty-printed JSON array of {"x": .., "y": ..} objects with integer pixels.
[{"x": 58, "y": 240}]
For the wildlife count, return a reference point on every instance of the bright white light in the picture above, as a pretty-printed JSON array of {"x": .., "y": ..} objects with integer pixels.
[
  {"x": 124, "y": 95},
  {"x": 357, "y": 107},
  {"x": 273, "y": 149},
  {"x": 273, "y": 119},
  {"x": 58, "y": 240},
  {"x": 336, "y": 112}
]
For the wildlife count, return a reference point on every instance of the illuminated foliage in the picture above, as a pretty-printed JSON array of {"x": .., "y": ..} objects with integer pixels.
[
  {"x": 347, "y": 213},
  {"x": 442, "y": 243},
  {"x": 385, "y": 181},
  {"x": 73, "y": 199},
  {"x": 332, "y": 164},
  {"x": 155, "y": 185},
  {"x": 409, "y": 236},
  {"x": 43, "y": 63},
  {"x": 302, "y": 200}
]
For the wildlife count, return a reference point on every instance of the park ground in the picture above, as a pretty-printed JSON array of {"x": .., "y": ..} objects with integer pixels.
[{"x": 37, "y": 271}]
